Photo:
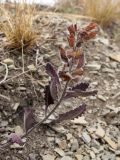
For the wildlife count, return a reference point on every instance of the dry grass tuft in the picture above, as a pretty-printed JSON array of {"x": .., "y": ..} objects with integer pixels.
[
  {"x": 104, "y": 11},
  {"x": 18, "y": 25}
]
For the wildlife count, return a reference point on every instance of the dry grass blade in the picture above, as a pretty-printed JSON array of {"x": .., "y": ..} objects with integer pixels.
[
  {"x": 18, "y": 25},
  {"x": 104, "y": 11}
]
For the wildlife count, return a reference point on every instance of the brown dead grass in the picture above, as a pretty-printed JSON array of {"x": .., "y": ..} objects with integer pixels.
[
  {"x": 104, "y": 11},
  {"x": 18, "y": 25}
]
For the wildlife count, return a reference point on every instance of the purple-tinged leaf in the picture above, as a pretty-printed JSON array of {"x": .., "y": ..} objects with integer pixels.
[
  {"x": 77, "y": 93},
  {"x": 14, "y": 138},
  {"x": 48, "y": 97},
  {"x": 54, "y": 89},
  {"x": 79, "y": 43},
  {"x": 29, "y": 119},
  {"x": 81, "y": 61},
  {"x": 81, "y": 86},
  {"x": 52, "y": 72},
  {"x": 71, "y": 114}
]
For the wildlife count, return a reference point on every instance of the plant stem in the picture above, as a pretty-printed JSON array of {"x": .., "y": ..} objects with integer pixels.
[{"x": 52, "y": 111}]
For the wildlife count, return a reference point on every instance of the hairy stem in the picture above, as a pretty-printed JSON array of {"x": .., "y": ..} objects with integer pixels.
[{"x": 52, "y": 111}]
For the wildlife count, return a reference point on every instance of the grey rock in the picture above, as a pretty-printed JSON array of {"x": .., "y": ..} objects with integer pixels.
[
  {"x": 2, "y": 68},
  {"x": 4, "y": 123},
  {"x": 95, "y": 144},
  {"x": 48, "y": 157},
  {"x": 102, "y": 98},
  {"x": 60, "y": 152},
  {"x": 113, "y": 65},
  {"x": 108, "y": 70},
  {"x": 94, "y": 66},
  {"x": 79, "y": 157},
  {"x": 8, "y": 61},
  {"x": 69, "y": 136},
  {"x": 66, "y": 158},
  {"x": 100, "y": 132},
  {"x": 32, "y": 156},
  {"x": 31, "y": 67},
  {"x": 75, "y": 145},
  {"x": 86, "y": 138},
  {"x": 106, "y": 156},
  {"x": 92, "y": 155},
  {"x": 86, "y": 158}
]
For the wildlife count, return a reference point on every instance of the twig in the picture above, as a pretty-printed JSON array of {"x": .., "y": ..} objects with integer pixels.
[
  {"x": 14, "y": 77},
  {"x": 23, "y": 57},
  {"x": 6, "y": 75},
  {"x": 4, "y": 97},
  {"x": 37, "y": 54}
]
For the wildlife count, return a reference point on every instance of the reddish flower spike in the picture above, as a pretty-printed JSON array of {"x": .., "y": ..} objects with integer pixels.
[
  {"x": 91, "y": 26},
  {"x": 72, "y": 29},
  {"x": 90, "y": 35},
  {"x": 71, "y": 40}
]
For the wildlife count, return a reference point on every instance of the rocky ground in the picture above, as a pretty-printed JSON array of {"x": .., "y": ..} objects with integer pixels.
[{"x": 95, "y": 135}]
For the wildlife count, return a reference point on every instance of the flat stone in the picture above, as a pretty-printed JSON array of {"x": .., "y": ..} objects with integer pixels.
[
  {"x": 32, "y": 156},
  {"x": 66, "y": 158},
  {"x": 117, "y": 152},
  {"x": 86, "y": 158},
  {"x": 2, "y": 68},
  {"x": 31, "y": 67},
  {"x": 102, "y": 98},
  {"x": 79, "y": 157},
  {"x": 108, "y": 70},
  {"x": 60, "y": 151},
  {"x": 80, "y": 120},
  {"x": 58, "y": 128},
  {"x": 119, "y": 143},
  {"x": 48, "y": 157},
  {"x": 86, "y": 138},
  {"x": 16, "y": 145},
  {"x": 113, "y": 65},
  {"x": 67, "y": 104},
  {"x": 11, "y": 66},
  {"x": 94, "y": 66},
  {"x": 95, "y": 144},
  {"x": 4, "y": 123},
  {"x": 110, "y": 142},
  {"x": 100, "y": 132},
  {"x": 115, "y": 56},
  {"x": 16, "y": 106},
  {"x": 62, "y": 144},
  {"x": 75, "y": 145},
  {"x": 8, "y": 61},
  {"x": 19, "y": 130},
  {"x": 69, "y": 136},
  {"x": 95, "y": 150},
  {"x": 106, "y": 155},
  {"x": 92, "y": 155}
]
